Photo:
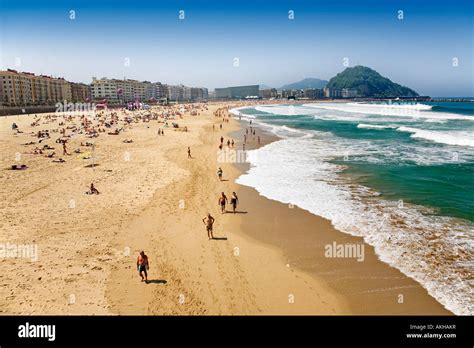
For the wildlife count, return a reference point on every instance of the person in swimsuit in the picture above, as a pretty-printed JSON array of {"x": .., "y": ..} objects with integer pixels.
[
  {"x": 209, "y": 221},
  {"x": 222, "y": 202},
  {"x": 189, "y": 152},
  {"x": 143, "y": 266},
  {"x": 219, "y": 173},
  {"x": 234, "y": 200}
]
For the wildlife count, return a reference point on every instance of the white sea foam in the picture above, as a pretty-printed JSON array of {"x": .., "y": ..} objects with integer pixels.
[
  {"x": 286, "y": 110},
  {"x": 375, "y": 126},
  {"x": 435, "y": 251},
  {"x": 236, "y": 111},
  {"x": 404, "y": 110},
  {"x": 458, "y": 138},
  {"x": 416, "y": 106}
]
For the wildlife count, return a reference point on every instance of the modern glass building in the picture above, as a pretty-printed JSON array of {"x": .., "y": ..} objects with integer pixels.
[{"x": 238, "y": 92}]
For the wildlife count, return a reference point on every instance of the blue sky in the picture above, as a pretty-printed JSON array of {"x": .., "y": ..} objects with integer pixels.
[{"x": 417, "y": 51}]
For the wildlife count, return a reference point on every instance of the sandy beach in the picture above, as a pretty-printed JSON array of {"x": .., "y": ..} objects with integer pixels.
[{"x": 267, "y": 259}]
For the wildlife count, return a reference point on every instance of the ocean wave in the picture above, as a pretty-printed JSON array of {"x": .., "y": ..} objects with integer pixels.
[
  {"x": 285, "y": 110},
  {"x": 457, "y": 138},
  {"x": 408, "y": 111},
  {"x": 376, "y": 152},
  {"x": 435, "y": 251},
  {"x": 237, "y": 113},
  {"x": 375, "y": 126},
  {"x": 416, "y": 106}
]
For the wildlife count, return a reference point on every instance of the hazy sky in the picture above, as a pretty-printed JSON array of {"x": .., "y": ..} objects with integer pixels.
[{"x": 200, "y": 50}]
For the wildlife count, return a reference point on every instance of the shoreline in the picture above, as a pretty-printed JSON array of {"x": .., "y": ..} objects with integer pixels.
[
  {"x": 338, "y": 274},
  {"x": 235, "y": 286},
  {"x": 153, "y": 198}
]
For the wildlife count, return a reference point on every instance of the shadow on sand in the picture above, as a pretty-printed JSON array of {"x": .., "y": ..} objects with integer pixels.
[
  {"x": 219, "y": 238},
  {"x": 156, "y": 281}
]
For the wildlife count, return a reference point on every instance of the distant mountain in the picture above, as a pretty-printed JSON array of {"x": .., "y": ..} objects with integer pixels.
[
  {"x": 369, "y": 83},
  {"x": 306, "y": 83}
]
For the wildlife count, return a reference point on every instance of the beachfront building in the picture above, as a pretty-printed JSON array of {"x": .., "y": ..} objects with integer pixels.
[
  {"x": 181, "y": 93},
  {"x": 237, "y": 92},
  {"x": 199, "y": 93},
  {"x": 332, "y": 93},
  {"x": 161, "y": 90},
  {"x": 80, "y": 92},
  {"x": 349, "y": 93},
  {"x": 187, "y": 93},
  {"x": 25, "y": 88},
  {"x": 104, "y": 89},
  {"x": 120, "y": 91},
  {"x": 313, "y": 93},
  {"x": 293, "y": 93},
  {"x": 176, "y": 93},
  {"x": 268, "y": 93}
]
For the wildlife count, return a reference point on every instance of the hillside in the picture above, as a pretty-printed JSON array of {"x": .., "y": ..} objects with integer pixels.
[
  {"x": 369, "y": 83},
  {"x": 306, "y": 83}
]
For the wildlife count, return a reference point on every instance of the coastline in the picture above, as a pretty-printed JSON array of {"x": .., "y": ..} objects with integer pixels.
[
  {"x": 371, "y": 287},
  {"x": 156, "y": 202},
  {"x": 229, "y": 276}
]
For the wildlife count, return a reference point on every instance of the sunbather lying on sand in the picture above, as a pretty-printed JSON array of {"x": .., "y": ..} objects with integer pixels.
[
  {"x": 92, "y": 190},
  {"x": 18, "y": 167}
]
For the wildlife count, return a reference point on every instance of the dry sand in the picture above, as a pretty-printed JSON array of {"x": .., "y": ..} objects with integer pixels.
[{"x": 267, "y": 261}]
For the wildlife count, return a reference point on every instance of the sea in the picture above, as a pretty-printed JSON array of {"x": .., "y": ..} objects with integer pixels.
[{"x": 400, "y": 175}]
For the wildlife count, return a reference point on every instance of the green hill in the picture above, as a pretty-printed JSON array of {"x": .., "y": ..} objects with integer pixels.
[
  {"x": 369, "y": 83},
  {"x": 306, "y": 83}
]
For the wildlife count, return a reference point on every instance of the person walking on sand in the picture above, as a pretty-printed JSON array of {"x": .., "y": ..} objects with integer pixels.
[
  {"x": 219, "y": 173},
  {"x": 143, "y": 265},
  {"x": 209, "y": 221},
  {"x": 189, "y": 152},
  {"x": 65, "y": 149},
  {"x": 234, "y": 200},
  {"x": 222, "y": 202}
]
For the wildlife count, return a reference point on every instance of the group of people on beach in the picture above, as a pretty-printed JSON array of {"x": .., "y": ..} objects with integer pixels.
[{"x": 222, "y": 201}]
